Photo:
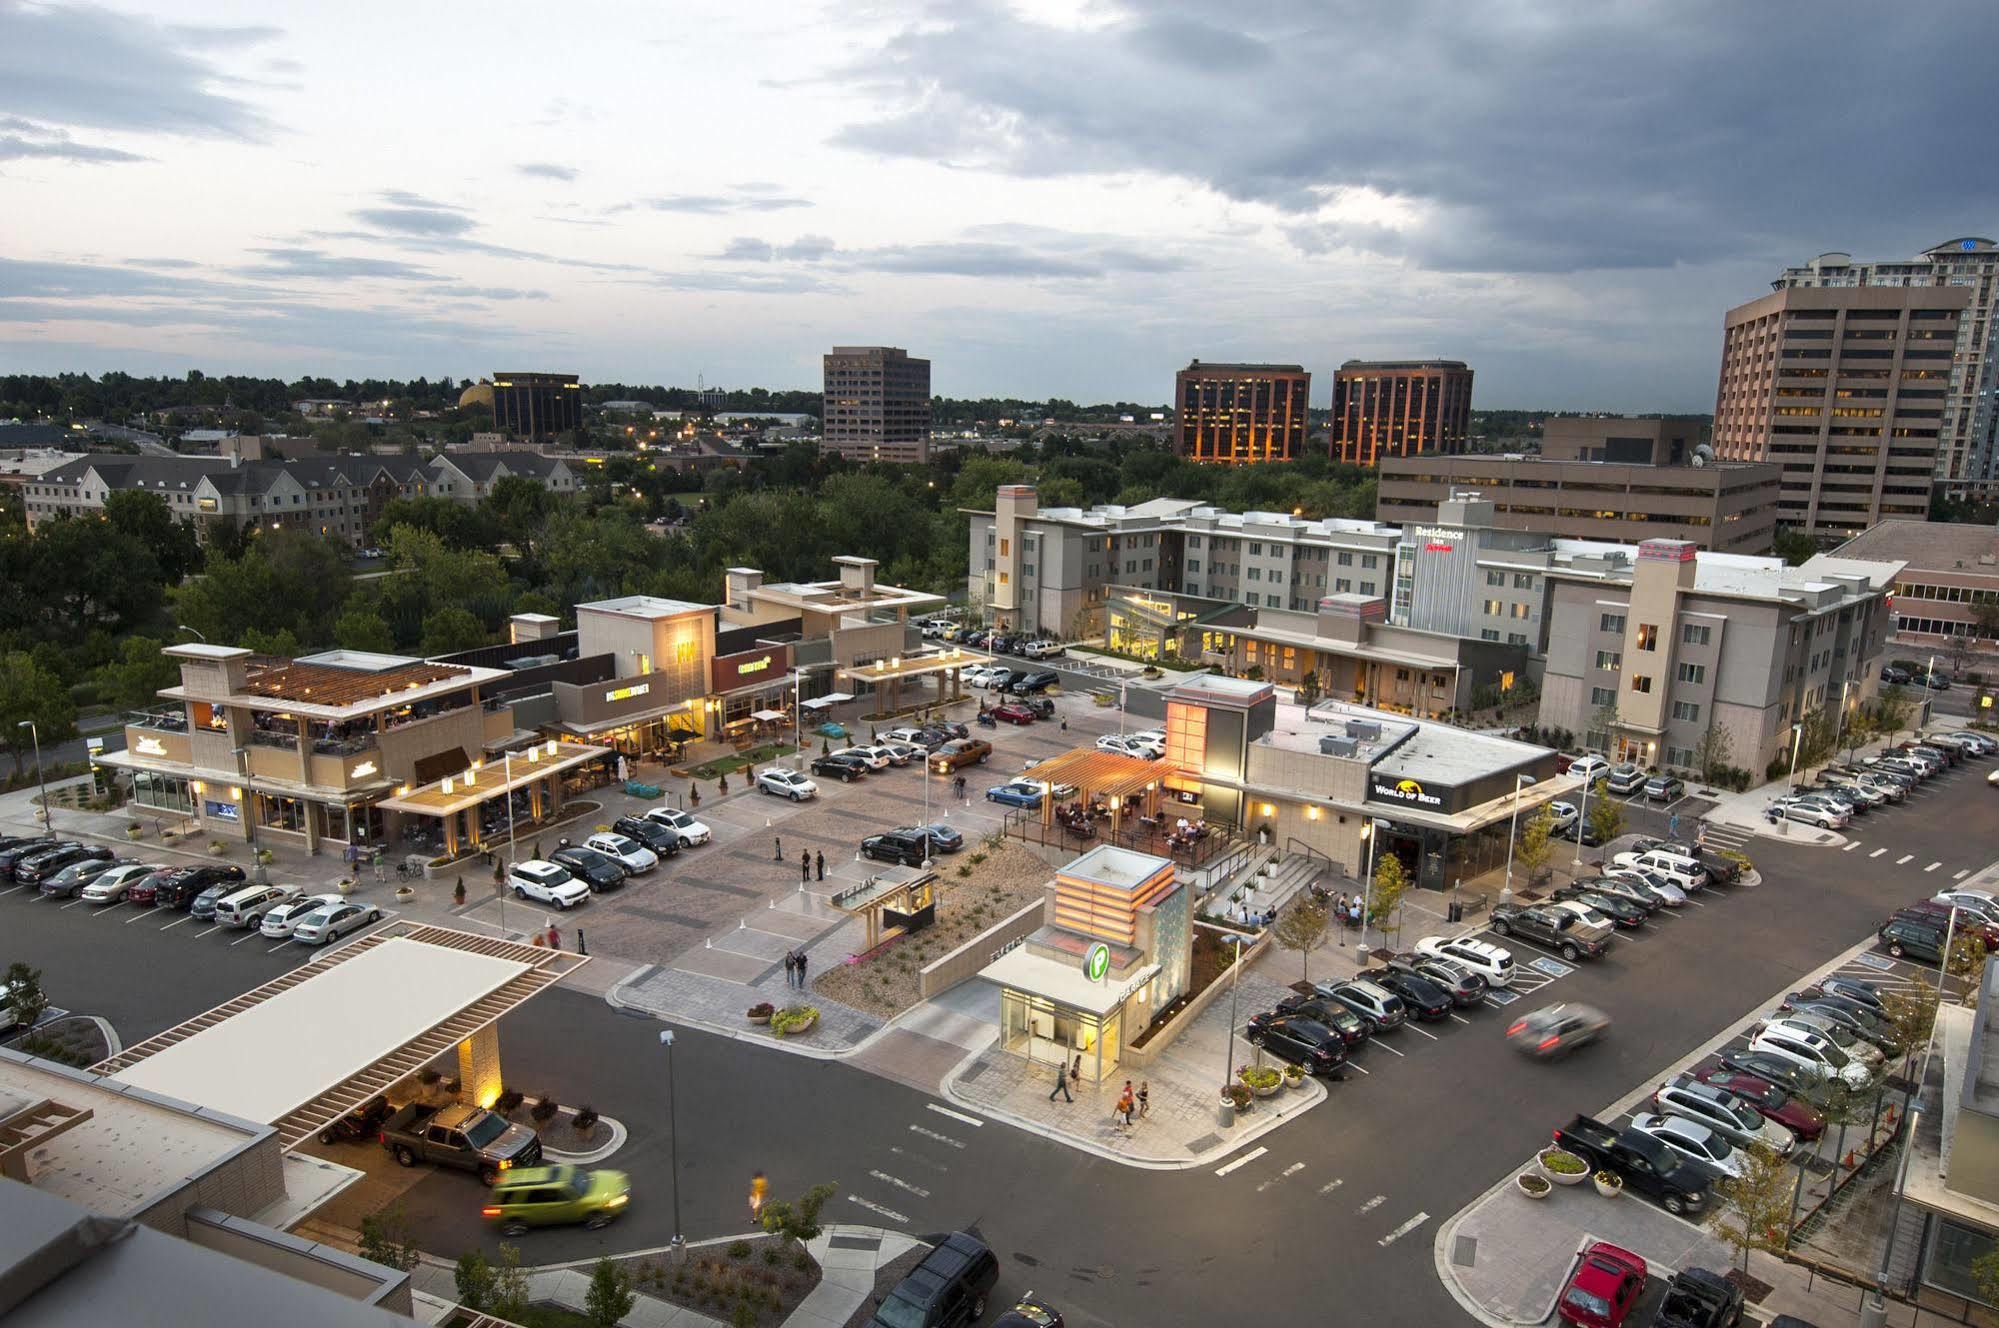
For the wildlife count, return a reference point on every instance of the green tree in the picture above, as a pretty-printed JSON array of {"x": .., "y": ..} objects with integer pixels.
[
  {"x": 798, "y": 1221},
  {"x": 84, "y": 575},
  {"x": 134, "y": 679},
  {"x": 1814, "y": 740},
  {"x": 1308, "y": 688},
  {"x": 1985, "y": 619},
  {"x": 1757, "y": 1215},
  {"x": 30, "y": 692},
  {"x": 1533, "y": 850},
  {"x": 1301, "y": 927},
  {"x": 147, "y": 519},
  {"x": 1713, "y": 751},
  {"x": 1606, "y": 817},
  {"x": 1891, "y": 711},
  {"x": 610, "y": 1297},
  {"x": 21, "y": 988},
  {"x": 475, "y": 1280},
  {"x": 362, "y": 629},
  {"x": 450, "y": 630},
  {"x": 510, "y": 1286},
  {"x": 286, "y": 580},
  {"x": 386, "y": 1238},
  {"x": 1391, "y": 882},
  {"x": 1602, "y": 727},
  {"x": 1913, "y": 1013},
  {"x": 1793, "y": 545}
]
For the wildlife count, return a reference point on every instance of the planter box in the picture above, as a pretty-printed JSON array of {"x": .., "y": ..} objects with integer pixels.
[{"x": 1532, "y": 1185}]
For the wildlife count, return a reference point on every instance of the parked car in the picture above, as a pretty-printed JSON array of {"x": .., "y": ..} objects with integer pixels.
[
  {"x": 1034, "y": 683},
  {"x": 1683, "y": 872},
  {"x": 362, "y": 1123},
  {"x": 1562, "y": 816},
  {"x": 1379, "y": 1008},
  {"x": 70, "y": 881},
  {"x": 1772, "y": 1101},
  {"x": 1785, "y": 1074},
  {"x": 1030, "y": 1312},
  {"x": 1895, "y": 677},
  {"x": 1120, "y": 745},
  {"x": 846, "y": 769},
  {"x": 1693, "y": 1141},
  {"x": 629, "y": 853},
  {"x": 1556, "y": 1030},
  {"x": 1697, "y": 1298},
  {"x": 1942, "y": 915},
  {"x": 596, "y": 871},
  {"x": 1665, "y": 788},
  {"x": 1578, "y": 831},
  {"x": 692, "y": 833},
  {"x": 1558, "y": 930},
  {"x": 782, "y": 783},
  {"x": 1647, "y": 1166},
  {"x": 202, "y": 907},
  {"x": 1587, "y": 766},
  {"x": 948, "y": 1289},
  {"x": 247, "y": 905},
  {"x": 111, "y": 886},
  {"x": 1421, "y": 998},
  {"x": 902, "y": 753},
  {"x": 178, "y": 887},
  {"x": 1907, "y": 936},
  {"x": 875, "y": 760},
  {"x": 1627, "y": 888},
  {"x": 463, "y": 1136},
  {"x": 1807, "y": 1022},
  {"x": 1721, "y": 1111},
  {"x": 1606, "y": 1283},
  {"x": 663, "y": 840},
  {"x": 329, "y": 922},
  {"x": 1594, "y": 916},
  {"x": 943, "y": 838},
  {"x": 1017, "y": 793},
  {"x": 1352, "y": 1029},
  {"x": 1465, "y": 987},
  {"x": 1814, "y": 1053},
  {"x": 1862, "y": 1021},
  {"x": 526, "y": 1197},
  {"x": 1621, "y": 912},
  {"x": 281, "y": 919},
  {"x": 1662, "y": 890},
  {"x": 38, "y": 867},
  {"x": 12, "y": 856},
  {"x": 546, "y": 883},
  {"x": 1302, "y": 1041},
  {"x": 1672, "y": 848},
  {"x": 1625, "y": 778},
  {"x": 911, "y": 848},
  {"x": 1722, "y": 868},
  {"x": 958, "y": 753},
  {"x": 1012, "y": 712},
  {"x": 1492, "y": 962}
]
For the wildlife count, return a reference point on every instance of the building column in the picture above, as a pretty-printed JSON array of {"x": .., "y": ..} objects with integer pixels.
[{"x": 479, "y": 1079}]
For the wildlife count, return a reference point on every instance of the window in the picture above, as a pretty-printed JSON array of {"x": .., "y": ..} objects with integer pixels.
[
  {"x": 1642, "y": 684},
  {"x": 1516, "y": 639},
  {"x": 1521, "y": 611},
  {"x": 1693, "y": 635},
  {"x": 1193, "y": 564},
  {"x": 1487, "y": 634},
  {"x": 1346, "y": 560},
  {"x": 1523, "y": 581},
  {"x": 1680, "y": 756},
  {"x": 1341, "y": 585},
  {"x": 1495, "y": 578},
  {"x": 1256, "y": 574},
  {"x": 1493, "y": 608},
  {"x": 1602, "y": 696},
  {"x": 1687, "y": 711},
  {"x": 1648, "y": 636},
  {"x": 1255, "y": 550},
  {"x": 1611, "y": 622},
  {"x": 1609, "y": 659},
  {"x": 1367, "y": 560},
  {"x": 1693, "y": 673}
]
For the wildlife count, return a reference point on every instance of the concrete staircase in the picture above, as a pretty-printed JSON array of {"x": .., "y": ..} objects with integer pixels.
[{"x": 1290, "y": 874}]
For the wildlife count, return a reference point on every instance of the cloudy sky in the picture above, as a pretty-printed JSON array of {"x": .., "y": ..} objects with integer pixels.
[{"x": 1047, "y": 198}]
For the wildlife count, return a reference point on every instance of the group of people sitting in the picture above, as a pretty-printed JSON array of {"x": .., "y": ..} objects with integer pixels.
[{"x": 1081, "y": 821}]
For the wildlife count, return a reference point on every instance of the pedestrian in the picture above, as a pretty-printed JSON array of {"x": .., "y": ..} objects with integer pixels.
[
  {"x": 499, "y": 873},
  {"x": 1673, "y": 826},
  {"x": 554, "y": 936},
  {"x": 1065, "y": 726},
  {"x": 819, "y": 864},
  {"x": 381, "y": 873},
  {"x": 804, "y": 866},
  {"x": 790, "y": 968},
  {"x": 1061, "y": 1083},
  {"x": 1144, "y": 1099},
  {"x": 1125, "y": 1104},
  {"x": 1076, "y": 1071},
  {"x": 801, "y": 968},
  {"x": 776, "y": 848},
  {"x": 1340, "y": 910}
]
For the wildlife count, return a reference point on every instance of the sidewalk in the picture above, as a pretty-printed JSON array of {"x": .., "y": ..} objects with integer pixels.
[{"x": 1181, "y": 1130}]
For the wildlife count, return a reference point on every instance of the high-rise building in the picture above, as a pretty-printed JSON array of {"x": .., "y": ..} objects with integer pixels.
[
  {"x": 1846, "y": 388},
  {"x": 1236, "y": 414},
  {"x": 1399, "y": 408},
  {"x": 1968, "y": 437},
  {"x": 537, "y": 405},
  {"x": 877, "y": 404}
]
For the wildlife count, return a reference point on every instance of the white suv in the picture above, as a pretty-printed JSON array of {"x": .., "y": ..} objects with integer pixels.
[
  {"x": 875, "y": 758},
  {"x": 786, "y": 784},
  {"x": 691, "y": 831},
  {"x": 1680, "y": 871},
  {"x": 1491, "y": 962},
  {"x": 1813, "y": 1053},
  {"x": 546, "y": 883},
  {"x": 628, "y": 852}
]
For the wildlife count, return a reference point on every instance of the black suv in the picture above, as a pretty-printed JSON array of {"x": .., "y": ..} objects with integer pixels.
[
  {"x": 1900, "y": 936},
  {"x": 39, "y": 867},
  {"x": 22, "y": 849},
  {"x": 908, "y": 847},
  {"x": 1303, "y": 1042},
  {"x": 1697, "y": 1298},
  {"x": 1350, "y": 1026},
  {"x": 947, "y": 1290},
  {"x": 846, "y": 769},
  {"x": 661, "y": 839},
  {"x": 183, "y": 887},
  {"x": 599, "y": 871},
  {"x": 1034, "y": 683}
]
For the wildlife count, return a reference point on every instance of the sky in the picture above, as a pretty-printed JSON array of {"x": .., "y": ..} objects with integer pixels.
[{"x": 1046, "y": 199}]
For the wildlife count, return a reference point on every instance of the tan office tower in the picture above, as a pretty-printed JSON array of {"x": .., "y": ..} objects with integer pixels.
[
  {"x": 1399, "y": 408},
  {"x": 877, "y": 404},
  {"x": 1237, "y": 414},
  {"x": 1845, "y": 388},
  {"x": 1968, "y": 435}
]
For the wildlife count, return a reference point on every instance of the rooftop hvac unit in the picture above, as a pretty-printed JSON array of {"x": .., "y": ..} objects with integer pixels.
[
  {"x": 1364, "y": 730},
  {"x": 1330, "y": 746}
]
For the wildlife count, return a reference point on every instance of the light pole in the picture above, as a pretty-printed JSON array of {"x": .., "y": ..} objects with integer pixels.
[
  {"x": 673, "y": 1136},
  {"x": 1520, "y": 781},
  {"x": 1235, "y": 981},
  {"x": 41, "y": 775},
  {"x": 1791, "y": 782},
  {"x": 1367, "y": 834},
  {"x": 247, "y": 797},
  {"x": 1582, "y": 821},
  {"x": 1839, "y": 724},
  {"x": 798, "y": 716}
]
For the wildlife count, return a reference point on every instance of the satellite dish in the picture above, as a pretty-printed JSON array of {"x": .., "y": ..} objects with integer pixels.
[{"x": 1703, "y": 455}]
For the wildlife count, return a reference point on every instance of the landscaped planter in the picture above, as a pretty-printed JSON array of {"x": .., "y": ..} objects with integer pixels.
[
  {"x": 1261, "y": 1080},
  {"x": 1531, "y": 1185},
  {"x": 1609, "y": 1184},
  {"x": 1562, "y": 1167},
  {"x": 760, "y": 1014}
]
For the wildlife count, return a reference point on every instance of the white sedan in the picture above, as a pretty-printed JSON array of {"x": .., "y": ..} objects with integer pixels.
[
  {"x": 1693, "y": 1141},
  {"x": 786, "y": 784},
  {"x": 280, "y": 922},
  {"x": 1123, "y": 746},
  {"x": 110, "y": 887},
  {"x": 329, "y": 922},
  {"x": 691, "y": 831},
  {"x": 546, "y": 883},
  {"x": 632, "y": 855}
]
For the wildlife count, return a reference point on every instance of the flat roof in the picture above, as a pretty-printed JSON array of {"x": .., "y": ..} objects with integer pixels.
[
  {"x": 1455, "y": 756},
  {"x": 133, "y": 1148},
  {"x": 1118, "y": 868},
  {"x": 1221, "y": 687},
  {"x": 1038, "y": 975},
  {"x": 203, "y": 650},
  {"x": 646, "y": 606},
  {"x": 1930, "y": 546},
  {"x": 275, "y": 1055}
]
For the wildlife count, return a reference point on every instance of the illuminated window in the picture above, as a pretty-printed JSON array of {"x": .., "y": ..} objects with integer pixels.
[
  {"x": 1186, "y": 735},
  {"x": 1641, "y": 683},
  {"x": 1648, "y": 636}
]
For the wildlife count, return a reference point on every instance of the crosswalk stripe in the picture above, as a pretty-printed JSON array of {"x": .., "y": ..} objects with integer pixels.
[
  {"x": 1906, "y": 857},
  {"x": 1404, "y": 1229},
  {"x": 1962, "y": 874},
  {"x": 1877, "y": 852},
  {"x": 1242, "y": 1161},
  {"x": 954, "y": 1115},
  {"x": 1932, "y": 867}
]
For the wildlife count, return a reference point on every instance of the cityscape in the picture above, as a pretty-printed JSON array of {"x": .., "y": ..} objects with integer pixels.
[{"x": 1383, "y": 711}]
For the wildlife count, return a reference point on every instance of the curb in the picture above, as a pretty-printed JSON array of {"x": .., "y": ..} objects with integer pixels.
[{"x": 788, "y": 1046}]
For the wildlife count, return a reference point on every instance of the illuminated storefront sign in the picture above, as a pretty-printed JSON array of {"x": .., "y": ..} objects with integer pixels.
[
  {"x": 150, "y": 747},
  {"x": 362, "y": 771},
  {"x": 748, "y": 668},
  {"x": 627, "y": 693}
]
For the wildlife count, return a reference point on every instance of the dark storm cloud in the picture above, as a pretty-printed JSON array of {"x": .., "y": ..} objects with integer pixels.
[
  {"x": 546, "y": 170},
  {"x": 1527, "y": 138},
  {"x": 87, "y": 67}
]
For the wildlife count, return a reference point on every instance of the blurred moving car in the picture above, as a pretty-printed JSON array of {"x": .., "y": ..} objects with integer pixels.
[{"x": 1556, "y": 1030}]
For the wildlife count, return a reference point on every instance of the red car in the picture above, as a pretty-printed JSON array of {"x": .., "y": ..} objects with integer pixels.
[
  {"x": 1773, "y": 1102},
  {"x": 1013, "y": 712},
  {"x": 1603, "y": 1288}
]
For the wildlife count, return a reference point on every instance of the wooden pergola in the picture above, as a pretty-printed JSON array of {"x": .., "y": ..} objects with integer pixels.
[{"x": 1098, "y": 775}]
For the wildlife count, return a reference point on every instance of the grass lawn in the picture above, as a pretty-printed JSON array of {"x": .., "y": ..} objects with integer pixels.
[{"x": 729, "y": 765}]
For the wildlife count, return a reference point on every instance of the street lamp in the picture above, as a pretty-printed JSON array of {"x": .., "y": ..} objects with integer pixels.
[
  {"x": 1367, "y": 835},
  {"x": 673, "y": 1136},
  {"x": 1839, "y": 723},
  {"x": 1520, "y": 781},
  {"x": 1235, "y": 981},
  {"x": 798, "y": 716},
  {"x": 41, "y": 775},
  {"x": 1582, "y": 819},
  {"x": 1791, "y": 783}
]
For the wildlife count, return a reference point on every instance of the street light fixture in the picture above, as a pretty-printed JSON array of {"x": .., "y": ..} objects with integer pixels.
[
  {"x": 1520, "y": 781},
  {"x": 673, "y": 1137},
  {"x": 1367, "y": 836},
  {"x": 1235, "y": 981},
  {"x": 41, "y": 775}
]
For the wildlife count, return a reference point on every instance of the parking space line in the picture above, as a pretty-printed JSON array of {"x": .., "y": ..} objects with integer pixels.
[
  {"x": 1851, "y": 846},
  {"x": 71, "y": 904},
  {"x": 171, "y": 925},
  {"x": 140, "y": 916},
  {"x": 246, "y": 936},
  {"x": 1413, "y": 1029},
  {"x": 215, "y": 928},
  {"x": 8, "y": 891},
  {"x": 1376, "y": 1042},
  {"x": 1877, "y": 852},
  {"x": 1932, "y": 867},
  {"x": 1354, "y": 1065},
  {"x": 1961, "y": 875},
  {"x": 279, "y": 946},
  {"x": 1461, "y": 1019},
  {"x": 1906, "y": 857}
]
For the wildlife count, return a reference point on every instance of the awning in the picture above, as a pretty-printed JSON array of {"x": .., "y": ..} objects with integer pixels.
[
  {"x": 490, "y": 780},
  {"x": 769, "y": 716},
  {"x": 1020, "y": 969},
  {"x": 830, "y": 699}
]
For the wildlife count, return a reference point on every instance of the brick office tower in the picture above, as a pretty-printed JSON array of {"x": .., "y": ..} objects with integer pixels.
[
  {"x": 537, "y": 405},
  {"x": 1237, "y": 414},
  {"x": 1846, "y": 389},
  {"x": 877, "y": 404},
  {"x": 1399, "y": 408}
]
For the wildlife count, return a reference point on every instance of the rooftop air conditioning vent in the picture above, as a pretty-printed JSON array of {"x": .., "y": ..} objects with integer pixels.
[{"x": 1331, "y": 746}]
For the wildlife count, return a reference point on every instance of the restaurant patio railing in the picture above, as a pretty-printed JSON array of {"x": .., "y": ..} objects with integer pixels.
[{"x": 1025, "y": 824}]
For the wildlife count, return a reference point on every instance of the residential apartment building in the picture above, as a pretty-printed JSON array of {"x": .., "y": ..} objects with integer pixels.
[
  {"x": 1729, "y": 506},
  {"x": 1385, "y": 408},
  {"x": 537, "y": 405},
  {"x": 1950, "y": 573},
  {"x": 1846, "y": 388},
  {"x": 468, "y": 477},
  {"x": 876, "y": 404},
  {"x": 1968, "y": 436},
  {"x": 1239, "y": 414},
  {"x": 1645, "y": 654}
]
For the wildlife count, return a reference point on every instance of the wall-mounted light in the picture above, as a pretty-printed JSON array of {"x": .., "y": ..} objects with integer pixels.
[
  {"x": 447, "y": 786},
  {"x": 471, "y": 779},
  {"x": 1311, "y": 813},
  {"x": 1269, "y": 809},
  {"x": 236, "y": 794},
  {"x": 198, "y": 786},
  {"x": 551, "y": 747}
]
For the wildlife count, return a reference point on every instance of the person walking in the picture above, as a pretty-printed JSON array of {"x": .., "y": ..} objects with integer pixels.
[
  {"x": 801, "y": 968},
  {"x": 1061, "y": 1083},
  {"x": 381, "y": 874},
  {"x": 1144, "y": 1099},
  {"x": 1125, "y": 1104},
  {"x": 790, "y": 968},
  {"x": 1076, "y": 1071},
  {"x": 804, "y": 866},
  {"x": 819, "y": 864},
  {"x": 777, "y": 848}
]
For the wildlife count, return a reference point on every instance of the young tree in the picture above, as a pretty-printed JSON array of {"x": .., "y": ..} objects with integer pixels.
[
  {"x": 1391, "y": 882},
  {"x": 1713, "y": 751},
  {"x": 1301, "y": 926},
  {"x": 21, "y": 988},
  {"x": 1861, "y": 728},
  {"x": 796, "y": 1221},
  {"x": 386, "y": 1238},
  {"x": 1602, "y": 727},
  {"x": 610, "y": 1297},
  {"x": 1758, "y": 1211},
  {"x": 510, "y": 1286},
  {"x": 475, "y": 1280},
  {"x": 1814, "y": 740},
  {"x": 1968, "y": 956},
  {"x": 1985, "y": 619},
  {"x": 1308, "y": 688},
  {"x": 1606, "y": 817},
  {"x": 1532, "y": 850},
  {"x": 1891, "y": 710}
]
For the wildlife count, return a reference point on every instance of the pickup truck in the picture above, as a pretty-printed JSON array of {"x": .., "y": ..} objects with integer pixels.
[
  {"x": 1566, "y": 933},
  {"x": 470, "y": 1138},
  {"x": 1697, "y": 1298},
  {"x": 1647, "y": 1166}
]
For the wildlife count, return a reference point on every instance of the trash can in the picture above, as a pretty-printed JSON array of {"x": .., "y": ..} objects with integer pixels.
[{"x": 1456, "y": 912}]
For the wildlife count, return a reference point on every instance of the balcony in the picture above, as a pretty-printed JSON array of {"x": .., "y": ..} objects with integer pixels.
[{"x": 286, "y": 742}]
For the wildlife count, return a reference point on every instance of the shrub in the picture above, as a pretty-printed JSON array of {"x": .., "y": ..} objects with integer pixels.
[
  {"x": 1562, "y": 1162},
  {"x": 507, "y": 1101},
  {"x": 771, "y": 1256},
  {"x": 739, "y": 1249},
  {"x": 544, "y": 1108},
  {"x": 761, "y": 1010},
  {"x": 802, "y": 1261},
  {"x": 1259, "y": 1076},
  {"x": 585, "y": 1118}
]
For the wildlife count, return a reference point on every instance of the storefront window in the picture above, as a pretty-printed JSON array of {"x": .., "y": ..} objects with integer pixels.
[
  {"x": 280, "y": 813},
  {"x": 1037, "y": 1028},
  {"x": 1953, "y": 1250},
  {"x": 166, "y": 792}
]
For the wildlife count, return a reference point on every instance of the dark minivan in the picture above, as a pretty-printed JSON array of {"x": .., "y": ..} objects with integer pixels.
[
  {"x": 1906, "y": 936},
  {"x": 947, "y": 1290}
]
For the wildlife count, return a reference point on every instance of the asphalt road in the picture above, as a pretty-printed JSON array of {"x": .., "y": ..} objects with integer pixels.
[{"x": 1339, "y": 1208}]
